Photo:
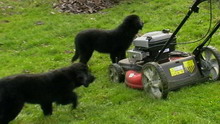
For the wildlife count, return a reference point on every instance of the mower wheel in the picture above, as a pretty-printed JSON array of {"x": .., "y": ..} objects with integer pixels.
[
  {"x": 116, "y": 73},
  {"x": 209, "y": 59},
  {"x": 154, "y": 80}
]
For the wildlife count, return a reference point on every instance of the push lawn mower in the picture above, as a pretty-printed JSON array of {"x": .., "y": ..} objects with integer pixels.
[{"x": 155, "y": 66}]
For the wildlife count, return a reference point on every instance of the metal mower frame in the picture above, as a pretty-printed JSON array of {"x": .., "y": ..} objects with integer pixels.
[{"x": 203, "y": 64}]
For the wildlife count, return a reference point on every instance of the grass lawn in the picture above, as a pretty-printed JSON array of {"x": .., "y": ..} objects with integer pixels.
[{"x": 35, "y": 38}]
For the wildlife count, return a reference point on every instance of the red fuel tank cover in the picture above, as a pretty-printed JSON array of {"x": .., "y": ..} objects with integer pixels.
[{"x": 133, "y": 79}]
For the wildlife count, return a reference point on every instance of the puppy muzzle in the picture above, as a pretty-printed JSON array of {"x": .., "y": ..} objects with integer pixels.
[
  {"x": 89, "y": 80},
  {"x": 141, "y": 25}
]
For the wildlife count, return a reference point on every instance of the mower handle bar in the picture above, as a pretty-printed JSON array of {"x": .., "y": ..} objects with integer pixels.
[
  {"x": 196, "y": 52},
  {"x": 193, "y": 8}
]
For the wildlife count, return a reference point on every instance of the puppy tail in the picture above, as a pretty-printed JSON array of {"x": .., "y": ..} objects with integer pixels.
[{"x": 76, "y": 56}]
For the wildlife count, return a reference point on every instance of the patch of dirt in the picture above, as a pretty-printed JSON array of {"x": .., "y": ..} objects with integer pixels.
[{"x": 84, "y": 6}]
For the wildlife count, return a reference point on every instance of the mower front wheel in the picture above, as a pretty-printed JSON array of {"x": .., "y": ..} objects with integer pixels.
[
  {"x": 209, "y": 59},
  {"x": 154, "y": 80},
  {"x": 116, "y": 73}
]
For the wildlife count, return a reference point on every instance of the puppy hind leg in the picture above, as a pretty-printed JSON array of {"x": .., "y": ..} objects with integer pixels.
[
  {"x": 9, "y": 111},
  {"x": 47, "y": 108}
]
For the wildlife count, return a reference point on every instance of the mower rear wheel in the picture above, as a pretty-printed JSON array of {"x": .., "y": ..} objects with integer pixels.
[
  {"x": 209, "y": 59},
  {"x": 154, "y": 80},
  {"x": 116, "y": 73}
]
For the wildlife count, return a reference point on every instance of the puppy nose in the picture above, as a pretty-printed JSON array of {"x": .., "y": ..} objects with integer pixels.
[{"x": 92, "y": 78}]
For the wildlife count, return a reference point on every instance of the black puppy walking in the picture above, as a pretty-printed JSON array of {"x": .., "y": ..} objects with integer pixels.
[
  {"x": 44, "y": 89},
  {"x": 115, "y": 42}
]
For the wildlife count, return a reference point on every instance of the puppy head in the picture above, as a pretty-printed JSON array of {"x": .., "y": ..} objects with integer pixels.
[
  {"x": 85, "y": 79},
  {"x": 83, "y": 76},
  {"x": 134, "y": 22}
]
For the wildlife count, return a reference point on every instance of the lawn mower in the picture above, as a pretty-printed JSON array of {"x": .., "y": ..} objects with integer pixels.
[{"x": 156, "y": 67}]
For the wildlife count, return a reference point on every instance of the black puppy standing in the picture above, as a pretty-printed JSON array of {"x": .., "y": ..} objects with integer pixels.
[
  {"x": 44, "y": 89},
  {"x": 115, "y": 42}
]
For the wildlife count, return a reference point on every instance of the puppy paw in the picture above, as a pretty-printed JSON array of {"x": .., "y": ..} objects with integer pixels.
[{"x": 74, "y": 105}]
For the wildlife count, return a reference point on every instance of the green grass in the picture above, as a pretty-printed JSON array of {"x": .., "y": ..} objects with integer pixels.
[{"x": 30, "y": 48}]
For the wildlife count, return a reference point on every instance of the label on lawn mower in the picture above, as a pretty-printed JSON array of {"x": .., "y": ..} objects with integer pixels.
[
  {"x": 189, "y": 65},
  {"x": 178, "y": 70}
]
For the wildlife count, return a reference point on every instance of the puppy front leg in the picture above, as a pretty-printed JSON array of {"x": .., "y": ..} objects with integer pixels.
[
  {"x": 74, "y": 100},
  {"x": 123, "y": 55},
  {"x": 68, "y": 98},
  {"x": 47, "y": 108},
  {"x": 114, "y": 58}
]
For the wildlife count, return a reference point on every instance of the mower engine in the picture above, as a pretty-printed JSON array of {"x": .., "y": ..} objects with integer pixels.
[
  {"x": 149, "y": 45},
  {"x": 146, "y": 48}
]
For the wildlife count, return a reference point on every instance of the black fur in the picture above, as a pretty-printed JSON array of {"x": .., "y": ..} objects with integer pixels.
[
  {"x": 44, "y": 89},
  {"x": 115, "y": 42}
]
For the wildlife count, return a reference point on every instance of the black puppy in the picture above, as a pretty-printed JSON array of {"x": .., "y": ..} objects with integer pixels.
[
  {"x": 115, "y": 42},
  {"x": 44, "y": 89}
]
